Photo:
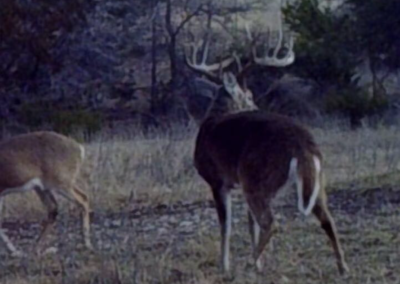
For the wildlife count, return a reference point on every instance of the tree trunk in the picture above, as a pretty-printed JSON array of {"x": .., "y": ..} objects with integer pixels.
[
  {"x": 172, "y": 58},
  {"x": 171, "y": 45},
  {"x": 372, "y": 68},
  {"x": 154, "y": 97}
]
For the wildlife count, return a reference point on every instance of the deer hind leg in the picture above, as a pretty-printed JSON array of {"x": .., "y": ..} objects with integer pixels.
[
  {"x": 48, "y": 200},
  {"x": 254, "y": 230},
  {"x": 10, "y": 246},
  {"x": 80, "y": 198},
  {"x": 321, "y": 211},
  {"x": 266, "y": 222},
  {"x": 261, "y": 219},
  {"x": 222, "y": 199},
  {"x": 32, "y": 184}
]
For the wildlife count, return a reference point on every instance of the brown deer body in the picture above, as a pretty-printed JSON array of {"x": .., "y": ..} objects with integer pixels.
[
  {"x": 47, "y": 163},
  {"x": 264, "y": 153}
]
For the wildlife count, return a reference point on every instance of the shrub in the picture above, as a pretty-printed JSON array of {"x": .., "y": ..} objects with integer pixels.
[
  {"x": 66, "y": 121},
  {"x": 356, "y": 103}
]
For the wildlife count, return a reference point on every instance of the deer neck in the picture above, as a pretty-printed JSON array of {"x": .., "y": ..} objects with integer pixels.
[{"x": 221, "y": 107}]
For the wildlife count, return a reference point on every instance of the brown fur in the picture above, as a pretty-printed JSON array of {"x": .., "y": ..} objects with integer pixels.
[
  {"x": 38, "y": 154},
  {"x": 255, "y": 149},
  {"x": 263, "y": 140},
  {"x": 55, "y": 160}
]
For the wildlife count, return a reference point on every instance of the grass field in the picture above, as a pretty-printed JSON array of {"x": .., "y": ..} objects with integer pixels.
[{"x": 154, "y": 221}]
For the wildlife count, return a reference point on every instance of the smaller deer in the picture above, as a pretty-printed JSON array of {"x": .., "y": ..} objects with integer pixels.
[
  {"x": 47, "y": 163},
  {"x": 264, "y": 153}
]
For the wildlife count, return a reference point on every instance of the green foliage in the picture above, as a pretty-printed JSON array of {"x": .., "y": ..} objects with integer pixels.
[
  {"x": 32, "y": 34},
  {"x": 378, "y": 25},
  {"x": 69, "y": 121},
  {"x": 38, "y": 116},
  {"x": 325, "y": 45},
  {"x": 332, "y": 44},
  {"x": 355, "y": 103}
]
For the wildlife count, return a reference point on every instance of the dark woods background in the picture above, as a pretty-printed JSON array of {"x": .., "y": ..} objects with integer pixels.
[{"x": 92, "y": 64}]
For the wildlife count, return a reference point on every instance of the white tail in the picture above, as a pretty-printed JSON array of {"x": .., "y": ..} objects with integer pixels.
[{"x": 299, "y": 184}]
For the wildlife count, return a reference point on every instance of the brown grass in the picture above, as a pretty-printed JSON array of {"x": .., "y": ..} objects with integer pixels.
[{"x": 129, "y": 172}]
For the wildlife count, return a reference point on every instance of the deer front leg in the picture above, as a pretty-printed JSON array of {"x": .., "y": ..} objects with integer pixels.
[
  {"x": 222, "y": 199},
  {"x": 83, "y": 201}
]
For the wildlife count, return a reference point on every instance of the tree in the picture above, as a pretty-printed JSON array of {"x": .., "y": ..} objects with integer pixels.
[
  {"x": 325, "y": 45},
  {"x": 31, "y": 34},
  {"x": 173, "y": 31},
  {"x": 378, "y": 25},
  {"x": 33, "y": 37},
  {"x": 331, "y": 46},
  {"x": 154, "y": 54}
]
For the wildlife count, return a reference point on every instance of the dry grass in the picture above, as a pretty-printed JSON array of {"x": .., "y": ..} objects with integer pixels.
[
  {"x": 131, "y": 169},
  {"x": 126, "y": 172},
  {"x": 354, "y": 155}
]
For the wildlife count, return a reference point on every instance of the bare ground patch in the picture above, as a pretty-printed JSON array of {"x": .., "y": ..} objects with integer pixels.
[{"x": 180, "y": 244}]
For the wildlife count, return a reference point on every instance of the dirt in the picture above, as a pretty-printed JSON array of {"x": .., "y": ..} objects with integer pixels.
[{"x": 180, "y": 242}]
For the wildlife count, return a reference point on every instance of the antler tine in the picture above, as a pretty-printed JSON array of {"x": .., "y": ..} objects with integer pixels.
[
  {"x": 280, "y": 38},
  {"x": 274, "y": 60},
  {"x": 205, "y": 52},
  {"x": 269, "y": 37},
  {"x": 195, "y": 47},
  {"x": 237, "y": 59},
  {"x": 291, "y": 44},
  {"x": 199, "y": 65},
  {"x": 248, "y": 31}
]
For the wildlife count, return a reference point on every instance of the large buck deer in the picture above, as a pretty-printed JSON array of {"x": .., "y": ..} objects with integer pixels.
[
  {"x": 262, "y": 152},
  {"x": 47, "y": 163}
]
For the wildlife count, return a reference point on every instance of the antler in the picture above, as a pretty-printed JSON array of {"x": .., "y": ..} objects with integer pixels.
[
  {"x": 201, "y": 66},
  {"x": 197, "y": 61},
  {"x": 273, "y": 60}
]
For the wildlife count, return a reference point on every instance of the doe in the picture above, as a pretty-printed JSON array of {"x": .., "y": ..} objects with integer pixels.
[{"x": 47, "y": 163}]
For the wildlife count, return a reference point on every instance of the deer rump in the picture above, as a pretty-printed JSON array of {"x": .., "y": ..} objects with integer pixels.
[{"x": 260, "y": 151}]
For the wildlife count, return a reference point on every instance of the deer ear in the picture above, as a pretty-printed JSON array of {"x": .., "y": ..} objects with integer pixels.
[{"x": 230, "y": 82}]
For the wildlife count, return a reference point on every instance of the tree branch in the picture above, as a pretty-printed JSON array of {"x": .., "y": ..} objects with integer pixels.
[{"x": 187, "y": 19}]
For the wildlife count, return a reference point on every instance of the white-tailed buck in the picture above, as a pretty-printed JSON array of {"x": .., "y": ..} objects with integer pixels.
[
  {"x": 47, "y": 163},
  {"x": 262, "y": 152}
]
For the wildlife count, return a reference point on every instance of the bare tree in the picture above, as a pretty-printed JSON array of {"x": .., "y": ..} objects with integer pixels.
[
  {"x": 173, "y": 32},
  {"x": 154, "y": 54}
]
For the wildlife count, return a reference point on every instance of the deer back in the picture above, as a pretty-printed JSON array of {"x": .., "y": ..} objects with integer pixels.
[
  {"x": 253, "y": 143},
  {"x": 46, "y": 155}
]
